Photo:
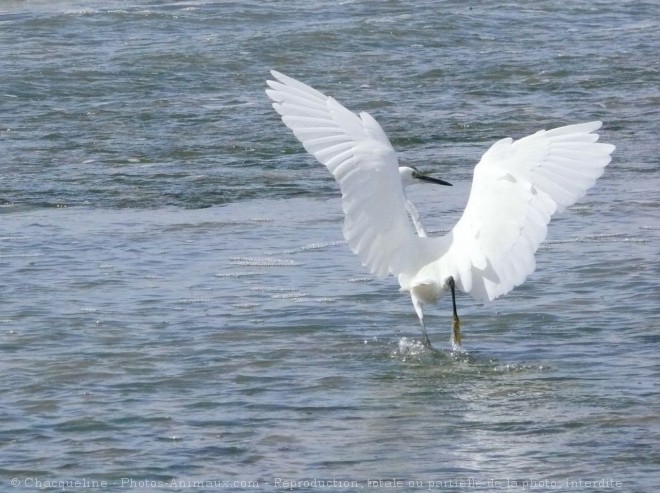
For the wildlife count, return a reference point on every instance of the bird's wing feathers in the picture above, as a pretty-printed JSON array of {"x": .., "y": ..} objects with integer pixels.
[
  {"x": 359, "y": 155},
  {"x": 517, "y": 187}
]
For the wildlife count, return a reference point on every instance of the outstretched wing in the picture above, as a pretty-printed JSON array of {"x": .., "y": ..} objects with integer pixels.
[
  {"x": 517, "y": 187},
  {"x": 359, "y": 155}
]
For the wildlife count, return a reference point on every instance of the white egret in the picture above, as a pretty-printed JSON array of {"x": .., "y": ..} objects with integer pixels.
[{"x": 516, "y": 188}]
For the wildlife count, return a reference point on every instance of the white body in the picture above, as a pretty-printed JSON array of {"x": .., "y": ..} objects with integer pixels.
[{"x": 517, "y": 187}]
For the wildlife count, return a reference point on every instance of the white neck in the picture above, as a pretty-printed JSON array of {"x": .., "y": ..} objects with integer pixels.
[{"x": 414, "y": 215}]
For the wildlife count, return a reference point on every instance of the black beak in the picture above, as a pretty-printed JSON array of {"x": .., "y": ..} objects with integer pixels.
[{"x": 431, "y": 179}]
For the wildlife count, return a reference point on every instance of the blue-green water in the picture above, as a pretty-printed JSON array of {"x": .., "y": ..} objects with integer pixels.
[{"x": 178, "y": 308}]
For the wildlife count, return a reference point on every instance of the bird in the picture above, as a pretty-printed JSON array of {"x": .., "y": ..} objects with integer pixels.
[{"x": 517, "y": 187}]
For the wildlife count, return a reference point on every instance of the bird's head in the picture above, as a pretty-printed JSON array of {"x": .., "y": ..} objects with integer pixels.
[{"x": 411, "y": 175}]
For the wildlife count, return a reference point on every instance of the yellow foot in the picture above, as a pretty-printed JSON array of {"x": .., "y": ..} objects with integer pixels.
[{"x": 456, "y": 332}]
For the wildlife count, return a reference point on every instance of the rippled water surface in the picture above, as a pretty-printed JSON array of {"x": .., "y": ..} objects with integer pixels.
[{"x": 178, "y": 308}]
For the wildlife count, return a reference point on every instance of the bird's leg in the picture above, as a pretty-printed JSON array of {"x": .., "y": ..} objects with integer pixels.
[
  {"x": 456, "y": 323},
  {"x": 426, "y": 342}
]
